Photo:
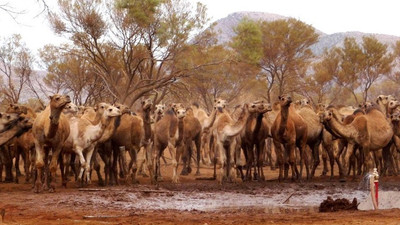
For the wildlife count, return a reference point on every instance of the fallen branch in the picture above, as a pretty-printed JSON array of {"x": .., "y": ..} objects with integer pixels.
[
  {"x": 205, "y": 178},
  {"x": 288, "y": 198}
]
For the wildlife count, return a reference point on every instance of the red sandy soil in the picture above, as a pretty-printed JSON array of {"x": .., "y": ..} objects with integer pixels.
[{"x": 128, "y": 204}]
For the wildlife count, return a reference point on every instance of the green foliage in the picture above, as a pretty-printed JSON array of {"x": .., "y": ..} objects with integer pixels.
[
  {"x": 248, "y": 41},
  {"x": 141, "y": 12}
]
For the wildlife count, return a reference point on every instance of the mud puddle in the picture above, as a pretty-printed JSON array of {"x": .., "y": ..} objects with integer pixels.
[{"x": 269, "y": 201}]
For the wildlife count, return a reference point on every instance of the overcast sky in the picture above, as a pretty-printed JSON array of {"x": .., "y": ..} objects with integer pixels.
[{"x": 369, "y": 16}]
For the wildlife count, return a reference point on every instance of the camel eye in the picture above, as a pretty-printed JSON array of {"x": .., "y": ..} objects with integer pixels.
[
  {"x": 8, "y": 117},
  {"x": 58, "y": 98},
  {"x": 110, "y": 110}
]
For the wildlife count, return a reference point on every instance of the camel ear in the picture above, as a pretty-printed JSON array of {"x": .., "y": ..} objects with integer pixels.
[
  {"x": 50, "y": 97},
  {"x": 11, "y": 105}
]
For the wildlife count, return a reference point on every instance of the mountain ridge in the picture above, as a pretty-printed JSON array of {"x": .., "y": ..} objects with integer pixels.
[{"x": 224, "y": 28}]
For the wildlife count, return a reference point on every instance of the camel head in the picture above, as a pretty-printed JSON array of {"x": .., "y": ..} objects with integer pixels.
[
  {"x": 111, "y": 111},
  {"x": 305, "y": 102},
  {"x": 71, "y": 108},
  {"x": 385, "y": 99},
  {"x": 395, "y": 117},
  {"x": 159, "y": 109},
  {"x": 176, "y": 106},
  {"x": 285, "y": 100},
  {"x": 58, "y": 101},
  {"x": 7, "y": 119},
  {"x": 180, "y": 113},
  {"x": 260, "y": 106},
  {"x": 100, "y": 107},
  {"x": 25, "y": 123},
  {"x": 393, "y": 104},
  {"x": 220, "y": 104},
  {"x": 146, "y": 104},
  {"x": 19, "y": 109},
  {"x": 320, "y": 107},
  {"x": 124, "y": 109}
]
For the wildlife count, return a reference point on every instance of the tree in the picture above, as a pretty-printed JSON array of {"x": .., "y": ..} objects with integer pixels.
[
  {"x": 68, "y": 72},
  {"x": 362, "y": 65},
  {"x": 317, "y": 85},
  {"x": 135, "y": 46},
  {"x": 377, "y": 63},
  {"x": 285, "y": 46},
  {"x": 16, "y": 66}
]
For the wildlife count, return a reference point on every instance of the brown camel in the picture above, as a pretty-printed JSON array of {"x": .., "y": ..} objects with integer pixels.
[
  {"x": 192, "y": 132},
  {"x": 168, "y": 132},
  {"x": 50, "y": 128},
  {"x": 370, "y": 131},
  {"x": 14, "y": 129},
  {"x": 130, "y": 134},
  {"x": 314, "y": 131},
  {"x": 24, "y": 144},
  {"x": 290, "y": 130},
  {"x": 252, "y": 139},
  {"x": 6, "y": 119}
]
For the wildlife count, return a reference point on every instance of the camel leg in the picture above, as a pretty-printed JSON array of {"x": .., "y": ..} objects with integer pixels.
[
  {"x": 40, "y": 153},
  {"x": 260, "y": 159},
  {"x": 387, "y": 159},
  {"x": 324, "y": 156},
  {"x": 133, "y": 151},
  {"x": 222, "y": 158},
  {"x": 315, "y": 151},
  {"x": 280, "y": 159},
  {"x": 198, "y": 150},
  {"x": 292, "y": 161},
  {"x": 89, "y": 155},
  {"x": 82, "y": 161},
  {"x": 349, "y": 153},
  {"x": 17, "y": 152},
  {"x": 368, "y": 164}
]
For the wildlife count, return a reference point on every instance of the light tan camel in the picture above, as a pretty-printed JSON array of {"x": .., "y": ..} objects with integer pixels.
[
  {"x": 85, "y": 134},
  {"x": 290, "y": 130},
  {"x": 370, "y": 131},
  {"x": 224, "y": 132},
  {"x": 50, "y": 128}
]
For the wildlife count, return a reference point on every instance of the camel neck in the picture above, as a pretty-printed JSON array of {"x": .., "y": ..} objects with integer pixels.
[
  {"x": 257, "y": 128},
  {"x": 146, "y": 116},
  {"x": 340, "y": 129},
  {"x": 180, "y": 131},
  {"x": 9, "y": 134},
  {"x": 55, "y": 115},
  {"x": 284, "y": 118}
]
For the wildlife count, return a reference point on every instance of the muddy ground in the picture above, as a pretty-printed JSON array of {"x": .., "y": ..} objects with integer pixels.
[{"x": 195, "y": 201}]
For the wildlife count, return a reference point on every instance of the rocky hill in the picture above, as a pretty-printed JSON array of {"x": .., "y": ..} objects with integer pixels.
[{"x": 225, "y": 27}]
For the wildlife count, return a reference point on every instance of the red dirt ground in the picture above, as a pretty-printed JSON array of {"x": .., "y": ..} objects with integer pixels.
[{"x": 148, "y": 204}]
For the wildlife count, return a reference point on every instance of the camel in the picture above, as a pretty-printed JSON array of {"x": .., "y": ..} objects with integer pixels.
[
  {"x": 50, "y": 128},
  {"x": 314, "y": 131},
  {"x": 85, "y": 134},
  {"x": 224, "y": 132},
  {"x": 257, "y": 129},
  {"x": 290, "y": 130},
  {"x": 23, "y": 144},
  {"x": 370, "y": 131},
  {"x": 383, "y": 101},
  {"x": 14, "y": 129},
  {"x": 192, "y": 132},
  {"x": 130, "y": 134},
  {"x": 168, "y": 132}
]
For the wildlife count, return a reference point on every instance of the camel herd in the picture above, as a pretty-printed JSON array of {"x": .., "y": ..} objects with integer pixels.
[{"x": 284, "y": 134}]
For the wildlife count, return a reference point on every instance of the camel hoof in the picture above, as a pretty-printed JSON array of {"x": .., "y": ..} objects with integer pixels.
[
  {"x": 100, "y": 183},
  {"x": 184, "y": 172},
  {"x": 160, "y": 179},
  {"x": 38, "y": 188},
  {"x": 144, "y": 175},
  {"x": 342, "y": 179},
  {"x": 197, "y": 173}
]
